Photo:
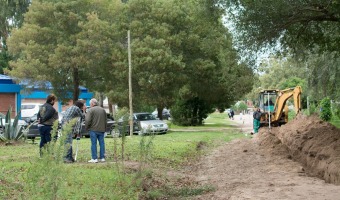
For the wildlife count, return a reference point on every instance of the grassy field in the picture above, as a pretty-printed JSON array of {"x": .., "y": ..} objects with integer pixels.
[{"x": 128, "y": 175}]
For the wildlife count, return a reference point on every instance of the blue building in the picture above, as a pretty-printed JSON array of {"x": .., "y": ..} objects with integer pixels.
[
  {"x": 12, "y": 94},
  {"x": 9, "y": 95}
]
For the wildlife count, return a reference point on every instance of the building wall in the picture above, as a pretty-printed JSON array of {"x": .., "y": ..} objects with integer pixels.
[
  {"x": 8, "y": 100},
  {"x": 9, "y": 95}
]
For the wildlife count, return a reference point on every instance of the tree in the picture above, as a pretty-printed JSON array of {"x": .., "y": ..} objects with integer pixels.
[
  {"x": 180, "y": 50},
  {"x": 48, "y": 46},
  {"x": 294, "y": 25},
  {"x": 11, "y": 16},
  {"x": 324, "y": 76}
]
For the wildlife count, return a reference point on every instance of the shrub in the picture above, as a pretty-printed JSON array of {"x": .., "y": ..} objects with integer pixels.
[
  {"x": 11, "y": 130},
  {"x": 190, "y": 112},
  {"x": 325, "y": 109}
]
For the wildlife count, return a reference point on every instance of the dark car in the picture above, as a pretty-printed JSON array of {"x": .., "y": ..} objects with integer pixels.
[
  {"x": 109, "y": 124},
  {"x": 32, "y": 123},
  {"x": 34, "y": 132}
]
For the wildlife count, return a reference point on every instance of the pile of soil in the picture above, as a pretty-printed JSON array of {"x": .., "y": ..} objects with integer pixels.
[
  {"x": 307, "y": 140},
  {"x": 292, "y": 162}
]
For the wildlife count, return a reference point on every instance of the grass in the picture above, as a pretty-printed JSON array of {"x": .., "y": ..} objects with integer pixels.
[
  {"x": 25, "y": 176},
  {"x": 335, "y": 121}
]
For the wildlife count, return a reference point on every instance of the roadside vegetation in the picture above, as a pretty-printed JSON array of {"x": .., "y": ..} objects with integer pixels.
[{"x": 142, "y": 174}]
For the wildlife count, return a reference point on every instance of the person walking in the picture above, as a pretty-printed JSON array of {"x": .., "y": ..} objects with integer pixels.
[
  {"x": 95, "y": 123},
  {"x": 232, "y": 114},
  {"x": 46, "y": 116},
  {"x": 257, "y": 118},
  {"x": 75, "y": 111}
]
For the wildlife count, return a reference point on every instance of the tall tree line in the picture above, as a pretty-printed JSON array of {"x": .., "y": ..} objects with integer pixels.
[
  {"x": 11, "y": 16},
  {"x": 180, "y": 51},
  {"x": 308, "y": 30}
]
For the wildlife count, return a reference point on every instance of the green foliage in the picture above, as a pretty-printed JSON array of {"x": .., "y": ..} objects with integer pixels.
[
  {"x": 11, "y": 16},
  {"x": 191, "y": 112},
  {"x": 336, "y": 121},
  {"x": 324, "y": 75},
  {"x": 180, "y": 49},
  {"x": 241, "y": 106},
  {"x": 12, "y": 130},
  {"x": 295, "y": 25},
  {"x": 46, "y": 175},
  {"x": 24, "y": 176},
  {"x": 312, "y": 109},
  {"x": 325, "y": 109}
]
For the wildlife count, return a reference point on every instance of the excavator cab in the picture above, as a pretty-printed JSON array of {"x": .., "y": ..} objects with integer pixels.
[
  {"x": 274, "y": 108},
  {"x": 267, "y": 100}
]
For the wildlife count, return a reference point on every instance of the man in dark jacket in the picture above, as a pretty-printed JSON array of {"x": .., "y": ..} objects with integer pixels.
[
  {"x": 46, "y": 117},
  {"x": 257, "y": 118},
  {"x": 95, "y": 123}
]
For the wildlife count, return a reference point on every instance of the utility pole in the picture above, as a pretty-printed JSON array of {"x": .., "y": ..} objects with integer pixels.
[{"x": 130, "y": 86}]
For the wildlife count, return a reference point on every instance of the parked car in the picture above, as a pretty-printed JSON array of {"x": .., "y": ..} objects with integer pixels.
[
  {"x": 29, "y": 109},
  {"x": 165, "y": 114},
  {"x": 143, "y": 123},
  {"x": 109, "y": 124}
]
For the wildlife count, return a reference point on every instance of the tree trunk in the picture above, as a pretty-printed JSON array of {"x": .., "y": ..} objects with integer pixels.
[
  {"x": 160, "y": 112},
  {"x": 110, "y": 106},
  {"x": 76, "y": 83}
]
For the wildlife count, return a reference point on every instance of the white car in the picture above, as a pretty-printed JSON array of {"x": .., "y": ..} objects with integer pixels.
[
  {"x": 149, "y": 124},
  {"x": 29, "y": 109},
  {"x": 143, "y": 124}
]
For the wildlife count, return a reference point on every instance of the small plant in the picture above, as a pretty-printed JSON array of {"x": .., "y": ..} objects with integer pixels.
[
  {"x": 11, "y": 130},
  {"x": 325, "y": 109},
  {"x": 46, "y": 176}
]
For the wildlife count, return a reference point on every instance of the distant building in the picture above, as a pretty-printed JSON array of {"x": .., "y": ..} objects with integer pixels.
[
  {"x": 13, "y": 95},
  {"x": 9, "y": 95}
]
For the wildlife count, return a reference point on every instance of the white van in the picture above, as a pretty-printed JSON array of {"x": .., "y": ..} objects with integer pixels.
[{"x": 29, "y": 109}]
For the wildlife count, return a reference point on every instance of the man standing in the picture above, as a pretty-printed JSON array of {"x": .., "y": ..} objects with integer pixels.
[
  {"x": 95, "y": 123},
  {"x": 257, "y": 118},
  {"x": 75, "y": 111},
  {"x": 46, "y": 117}
]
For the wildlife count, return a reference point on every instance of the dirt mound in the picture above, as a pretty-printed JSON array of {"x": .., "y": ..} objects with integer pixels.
[{"x": 308, "y": 140}]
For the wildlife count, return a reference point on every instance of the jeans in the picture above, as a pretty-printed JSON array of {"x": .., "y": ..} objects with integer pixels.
[
  {"x": 68, "y": 147},
  {"x": 45, "y": 136},
  {"x": 95, "y": 135},
  {"x": 256, "y": 125}
]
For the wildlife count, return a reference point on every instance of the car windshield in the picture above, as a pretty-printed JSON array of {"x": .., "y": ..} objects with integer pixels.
[
  {"x": 145, "y": 117},
  {"x": 26, "y": 107}
]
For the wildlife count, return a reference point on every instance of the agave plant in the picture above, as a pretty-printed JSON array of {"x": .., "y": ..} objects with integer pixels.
[{"x": 11, "y": 130}]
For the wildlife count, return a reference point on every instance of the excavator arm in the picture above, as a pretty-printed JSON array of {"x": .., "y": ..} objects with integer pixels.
[{"x": 282, "y": 98}]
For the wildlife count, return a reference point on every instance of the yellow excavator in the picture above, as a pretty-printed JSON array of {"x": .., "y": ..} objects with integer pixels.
[{"x": 276, "y": 114}]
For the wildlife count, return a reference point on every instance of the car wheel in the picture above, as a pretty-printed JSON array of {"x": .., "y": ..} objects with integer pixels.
[{"x": 115, "y": 133}]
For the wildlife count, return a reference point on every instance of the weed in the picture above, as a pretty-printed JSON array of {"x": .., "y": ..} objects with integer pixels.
[{"x": 46, "y": 174}]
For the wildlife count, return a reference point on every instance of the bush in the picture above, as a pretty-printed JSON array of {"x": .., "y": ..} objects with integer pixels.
[
  {"x": 11, "y": 130},
  {"x": 191, "y": 112},
  {"x": 325, "y": 109}
]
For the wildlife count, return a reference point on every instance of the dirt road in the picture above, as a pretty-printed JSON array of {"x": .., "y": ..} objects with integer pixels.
[{"x": 247, "y": 169}]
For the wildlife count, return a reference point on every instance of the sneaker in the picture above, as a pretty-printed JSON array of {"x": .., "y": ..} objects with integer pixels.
[
  {"x": 68, "y": 161},
  {"x": 93, "y": 161},
  {"x": 102, "y": 160}
]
